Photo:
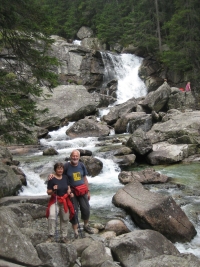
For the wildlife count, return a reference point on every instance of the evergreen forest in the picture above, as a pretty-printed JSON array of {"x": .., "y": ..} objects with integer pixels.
[{"x": 168, "y": 29}]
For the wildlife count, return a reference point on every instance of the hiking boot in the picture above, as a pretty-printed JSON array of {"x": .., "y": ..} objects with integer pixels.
[
  {"x": 88, "y": 229},
  {"x": 50, "y": 239},
  {"x": 76, "y": 236},
  {"x": 64, "y": 240}
]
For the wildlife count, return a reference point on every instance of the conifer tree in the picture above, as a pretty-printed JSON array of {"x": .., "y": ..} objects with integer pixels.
[{"x": 25, "y": 67}]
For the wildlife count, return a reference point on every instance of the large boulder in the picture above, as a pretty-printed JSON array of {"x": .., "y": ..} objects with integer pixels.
[
  {"x": 145, "y": 176},
  {"x": 55, "y": 254},
  {"x": 15, "y": 246},
  {"x": 154, "y": 211},
  {"x": 177, "y": 128},
  {"x": 165, "y": 153},
  {"x": 88, "y": 127},
  {"x": 130, "y": 249},
  {"x": 132, "y": 121},
  {"x": 139, "y": 142},
  {"x": 9, "y": 180},
  {"x": 184, "y": 260},
  {"x": 120, "y": 110},
  {"x": 182, "y": 101},
  {"x": 97, "y": 249},
  {"x": 71, "y": 102},
  {"x": 93, "y": 165},
  {"x": 158, "y": 99}
]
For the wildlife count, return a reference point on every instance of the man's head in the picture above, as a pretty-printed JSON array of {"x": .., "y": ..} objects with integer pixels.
[{"x": 75, "y": 156}]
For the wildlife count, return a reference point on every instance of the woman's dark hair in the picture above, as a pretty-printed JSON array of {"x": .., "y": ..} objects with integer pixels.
[{"x": 58, "y": 165}]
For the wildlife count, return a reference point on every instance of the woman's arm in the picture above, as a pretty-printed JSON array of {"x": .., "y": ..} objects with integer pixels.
[{"x": 51, "y": 191}]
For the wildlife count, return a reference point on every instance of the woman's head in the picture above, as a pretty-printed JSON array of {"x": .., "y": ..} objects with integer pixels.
[{"x": 58, "y": 165}]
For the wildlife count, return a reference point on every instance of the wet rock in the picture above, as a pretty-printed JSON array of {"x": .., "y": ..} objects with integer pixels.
[
  {"x": 145, "y": 176},
  {"x": 50, "y": 152},
  {"x": 88, "y": 127},
  {"x": 154, "y": 211}
]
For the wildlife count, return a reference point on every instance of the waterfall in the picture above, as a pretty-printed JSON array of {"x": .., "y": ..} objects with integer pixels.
[{"x": 124, "y": 68}]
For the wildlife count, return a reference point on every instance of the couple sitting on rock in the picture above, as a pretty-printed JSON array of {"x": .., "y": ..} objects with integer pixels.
[{"x": 68, "y": 188}]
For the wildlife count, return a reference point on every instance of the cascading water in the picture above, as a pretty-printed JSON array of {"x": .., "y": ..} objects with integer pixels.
[{"x": 123, "y": 68}]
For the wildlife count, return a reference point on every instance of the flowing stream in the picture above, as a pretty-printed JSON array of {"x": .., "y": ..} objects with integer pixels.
[{"x": 124, "y": 68}]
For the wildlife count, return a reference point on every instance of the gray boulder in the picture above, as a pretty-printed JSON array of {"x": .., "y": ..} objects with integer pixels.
[
  {"x": 50, "y": 151},
  {"x": 56, "y": 254},
  {"x": 165, "y": 153},
  {"x": 79, "y": 103},
  {"x": 154, "y": 211},
  {"x": 88, "y": 127},
  {"x": 93, "y": 165},
  {"x": 158, "y": 99},
  {"x": 182, "y": 101},
  {"x": 84, "y": 32},
  {"x": 97, "y": 249},
  {"x": 132, "y": 248},
  {"x": 120, "y": 110},
  {"x": 132, "y": 121},
  {"x": 183, "y": 260},
  {"x": 15, "y": 246},
  {"x": 139, "y": 142},
  {"x": 9, "y": 180},
  {"x": 125, "y": 160},
  {"x": 177, "y": 127},
  {"x": 145, "y": 176},
  {"x": 118, "y": 226}
]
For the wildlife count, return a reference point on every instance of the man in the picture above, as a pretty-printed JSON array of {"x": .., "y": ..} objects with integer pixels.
[{"x": 77, "y": 175}]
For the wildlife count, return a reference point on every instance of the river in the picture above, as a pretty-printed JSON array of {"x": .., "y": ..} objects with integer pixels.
[{"x": 124, "y": 68}]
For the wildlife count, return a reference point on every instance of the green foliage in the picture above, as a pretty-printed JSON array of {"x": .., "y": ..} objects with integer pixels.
[
  {"x": 183, "y": 38},
  {"x": 27, "y": 67}
]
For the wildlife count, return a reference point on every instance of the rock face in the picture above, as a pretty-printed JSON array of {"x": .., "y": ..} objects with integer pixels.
[{"x": 155, "y": 211}]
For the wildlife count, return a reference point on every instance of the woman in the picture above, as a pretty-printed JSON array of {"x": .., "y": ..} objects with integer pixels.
[
  {"x": 59, "y": 203},
  {"x": 187, "y": 87}
]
